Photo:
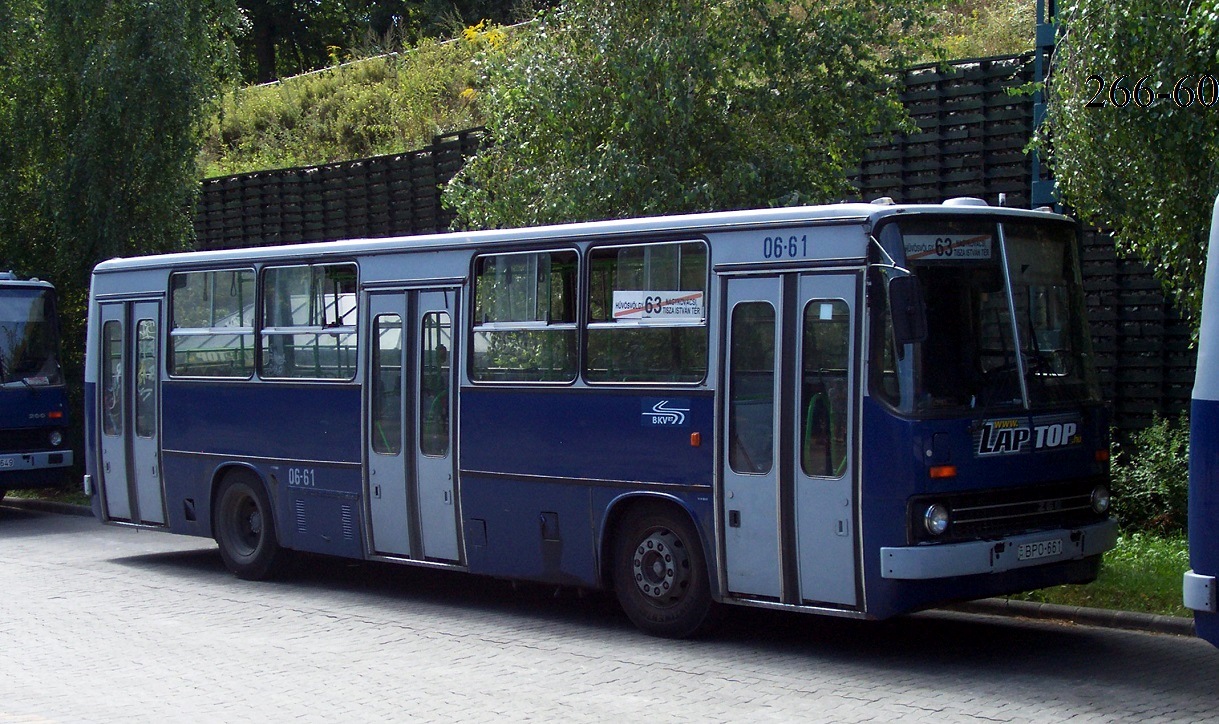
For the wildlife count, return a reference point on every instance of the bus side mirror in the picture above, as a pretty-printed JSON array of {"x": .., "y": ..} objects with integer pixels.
[{"x": 907, "y": 310}]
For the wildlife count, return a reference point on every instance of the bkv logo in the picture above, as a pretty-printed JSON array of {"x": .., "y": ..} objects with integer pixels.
[
  {"x": 1014, "y": 435},
  {"x": 665, "y": 413}
]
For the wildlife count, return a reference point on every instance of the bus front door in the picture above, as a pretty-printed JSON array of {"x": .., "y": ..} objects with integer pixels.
[
  {"x": 411, "y": 462},
  {"x": 791, "y": 394},
  {"x": 130, "y": 426}
]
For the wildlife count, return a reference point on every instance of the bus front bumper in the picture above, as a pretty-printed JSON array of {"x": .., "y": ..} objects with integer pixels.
[
  {"x": 42, "y": 460},
  {"x": 944, "y": 560}
]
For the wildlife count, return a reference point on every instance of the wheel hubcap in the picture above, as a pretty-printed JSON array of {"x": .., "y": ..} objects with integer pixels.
[
  {"x": 661, "y": 566},
  {"x": 246, "y": 527}
]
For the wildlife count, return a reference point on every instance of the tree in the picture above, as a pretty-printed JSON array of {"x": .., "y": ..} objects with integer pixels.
[
  {"x": 604, "y": 110},
  {"x": 1133, "y": 129},
  {"x": 101, "y": 103},
  {"x": 25, "y": 109},
  {"x": 132, "y": 80}
]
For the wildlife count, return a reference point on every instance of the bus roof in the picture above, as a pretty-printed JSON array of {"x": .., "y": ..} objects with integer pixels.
[
  {"x": 9, "y": 280},
  {"x": 845, "y": 213}
]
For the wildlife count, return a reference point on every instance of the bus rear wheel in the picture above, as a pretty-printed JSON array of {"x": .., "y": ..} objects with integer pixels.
[
  {"x": 660, "y": 573},
  {"x": 245, "y": 528}
]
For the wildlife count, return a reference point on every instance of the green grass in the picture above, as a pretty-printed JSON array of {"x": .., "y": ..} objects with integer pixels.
[{"x": 1142, "y": 574}]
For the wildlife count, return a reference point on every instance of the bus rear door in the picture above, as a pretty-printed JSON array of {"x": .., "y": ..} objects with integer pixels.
[
  {"x": 130, "y": 425},
  {"x": 791, "y": 380},
  {"x": 411, "y": 491}
]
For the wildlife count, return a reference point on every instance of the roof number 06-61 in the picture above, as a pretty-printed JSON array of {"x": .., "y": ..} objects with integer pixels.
[{"x": 785, "y": 247}]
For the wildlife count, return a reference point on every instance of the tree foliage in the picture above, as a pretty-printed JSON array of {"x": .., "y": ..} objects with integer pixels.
[
  {"x": 1147, "y": 167},
  {"x": 101, "y": 103},
  {"x": 133, "y": 80},
  {"x": 604, "y": 110}
]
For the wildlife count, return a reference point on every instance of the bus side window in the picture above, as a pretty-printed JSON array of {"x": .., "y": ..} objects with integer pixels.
[
  {"x": 824, "y": 388},
  {"x": 647, "y": 313},
  {"x": 524, "y": 322},
  {"x": 309, "y": 322},
  {"x": 211, "y": 324}
]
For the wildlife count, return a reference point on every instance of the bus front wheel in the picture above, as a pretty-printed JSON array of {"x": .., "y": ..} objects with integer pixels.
[
  {"x": 245, "y": 528},
  {"x": 660, "y": 573}
]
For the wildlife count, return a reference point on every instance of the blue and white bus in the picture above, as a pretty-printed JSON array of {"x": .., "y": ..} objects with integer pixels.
[
  {"x": 857, "y": 410},
  {"x": 1199, "y": 583},
  {"x": 33, "y": 403}
]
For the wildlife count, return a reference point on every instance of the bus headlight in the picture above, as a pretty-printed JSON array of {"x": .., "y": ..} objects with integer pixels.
[
  {"x": 935, "y": 519},
  {"x": 1100, "y": 499},
  {"x": 56, "y": 438}
]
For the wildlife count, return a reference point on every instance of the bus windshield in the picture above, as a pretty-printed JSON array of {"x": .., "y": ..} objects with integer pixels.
[
  {"x": 29, "y": 338},
  {"x": 1004, "y": 311}
]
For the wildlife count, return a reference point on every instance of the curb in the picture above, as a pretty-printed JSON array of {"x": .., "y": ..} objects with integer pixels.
[
  {"x": 1124, "y": 620},
  {"x": 47, "y": 506}
]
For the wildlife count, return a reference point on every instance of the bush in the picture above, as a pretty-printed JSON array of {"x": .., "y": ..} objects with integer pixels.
[{"x": 1151, "y": 478}]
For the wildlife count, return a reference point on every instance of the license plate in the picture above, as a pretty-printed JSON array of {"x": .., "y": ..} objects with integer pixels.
[
  {"x": 1039, "y": 549},
  {"x": 6, "y": 462}
]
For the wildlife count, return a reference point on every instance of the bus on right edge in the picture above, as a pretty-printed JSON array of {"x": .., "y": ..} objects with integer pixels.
[{"x": 1199, "y": 584}]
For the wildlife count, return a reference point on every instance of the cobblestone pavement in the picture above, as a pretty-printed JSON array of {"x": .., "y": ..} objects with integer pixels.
[{"x": 104, "y": 624}]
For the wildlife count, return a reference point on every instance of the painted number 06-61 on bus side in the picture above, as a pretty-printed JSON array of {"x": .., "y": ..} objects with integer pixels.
[
  {"x": 302, "y": 477},
  {"x": 785, "y": 247}
]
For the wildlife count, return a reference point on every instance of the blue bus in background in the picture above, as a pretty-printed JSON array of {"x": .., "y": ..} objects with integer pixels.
[
  {"x": 855, "y": 410},
  {"x": 1199, "y": 584},
  {"x": 33, "y": 403}
]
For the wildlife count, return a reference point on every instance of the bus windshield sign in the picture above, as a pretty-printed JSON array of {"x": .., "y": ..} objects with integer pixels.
[{"x": 944, "y": 247}]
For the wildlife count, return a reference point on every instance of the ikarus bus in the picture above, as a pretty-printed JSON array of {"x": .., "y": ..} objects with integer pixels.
[
  {"x": 1199, "y": 584},
  {"x": 855, "y": 410},
  {"x": 33, "y": 401}
]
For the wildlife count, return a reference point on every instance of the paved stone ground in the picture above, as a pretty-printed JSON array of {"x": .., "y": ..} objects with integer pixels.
[{"x": 103, "y": 624}]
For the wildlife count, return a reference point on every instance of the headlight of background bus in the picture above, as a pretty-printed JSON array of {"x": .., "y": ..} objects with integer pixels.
[
  {"x": 56, "y": 438},
  {"x": 935, "y": 519},
  {"x": 1100, "y": 499}
]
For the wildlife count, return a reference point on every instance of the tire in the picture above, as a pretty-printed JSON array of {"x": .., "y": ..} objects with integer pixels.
[
  {"x": 244, "y": 525},
  {"x": 660, "y": 573}
]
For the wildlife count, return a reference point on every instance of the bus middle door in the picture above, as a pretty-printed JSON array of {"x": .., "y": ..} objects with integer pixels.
[{"x": 411, "y": 462}]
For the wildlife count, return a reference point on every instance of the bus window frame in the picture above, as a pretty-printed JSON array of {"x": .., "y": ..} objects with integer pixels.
[
  {"x": 589, "y": 325},
  {"x": 474, "y": 326},
  {"x": 262, "y": 329},
  {"x": 171, "y": 331}
]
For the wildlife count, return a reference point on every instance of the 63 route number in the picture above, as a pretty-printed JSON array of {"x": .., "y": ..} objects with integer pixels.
[
  {"x": 785, "y": 247},
  {"x": 302, "y": 477}
]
